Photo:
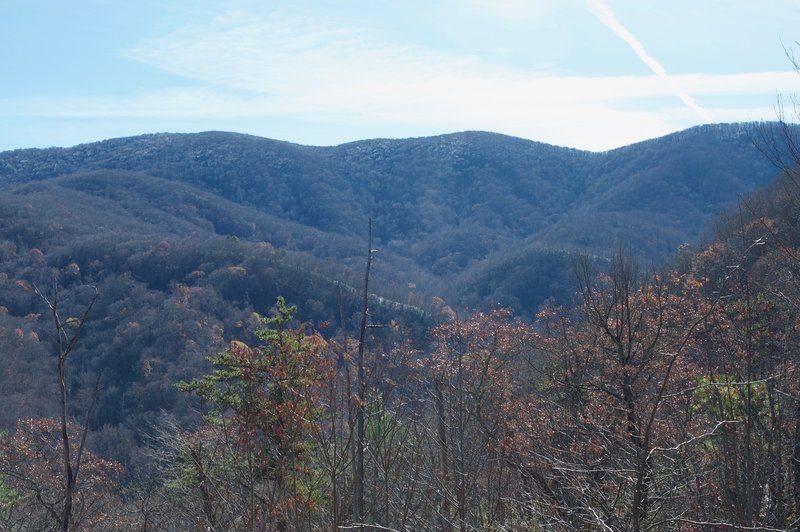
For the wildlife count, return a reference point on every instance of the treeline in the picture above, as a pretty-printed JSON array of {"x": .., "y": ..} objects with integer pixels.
[{"x": 658, "y": 401}]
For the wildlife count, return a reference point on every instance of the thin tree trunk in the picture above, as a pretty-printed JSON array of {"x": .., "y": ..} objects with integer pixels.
[
  {"x": 358, "y": 470},
  {"x": 64, "y": 345},
  {"x": 205, "y": 494},
  {"x": 796, "y": 459},
  {"x": 69, "y": 483},
  {"x": 443, "y": 456}
]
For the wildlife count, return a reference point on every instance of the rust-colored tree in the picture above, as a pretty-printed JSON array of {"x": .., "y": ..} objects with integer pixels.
[
  {"x": 32, "y": 464},
  {"x": 264, "y": 402},
  {"x": 470, "y": 376},
  {"x": 602, "y": 436}
]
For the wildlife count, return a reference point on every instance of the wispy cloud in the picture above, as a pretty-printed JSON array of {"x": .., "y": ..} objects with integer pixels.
[
  {"x": 329, "y": 65},
  {"x": 333, "y": 74},
  {"x": 449, "y": 97},
  {"x": 601, "y": 10},
  {"x": 509, "y": 9},
  {"x": 582, "y": 112}
]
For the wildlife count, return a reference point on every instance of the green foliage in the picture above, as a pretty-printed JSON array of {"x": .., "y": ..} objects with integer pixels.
[
  {"x": 725, "y": 399},
  {"x": 247, "y": 381},
  {"x": 265, "y": 396},
  {"x": 9, "y": 497}
]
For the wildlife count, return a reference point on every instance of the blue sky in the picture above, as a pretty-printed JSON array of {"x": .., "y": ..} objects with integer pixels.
[{"x": 590, "y": 74}]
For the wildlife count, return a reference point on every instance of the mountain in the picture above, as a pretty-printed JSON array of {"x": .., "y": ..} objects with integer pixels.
[
  {"x": 444, "y": 208},
  {"x": 189, "y": 238}
]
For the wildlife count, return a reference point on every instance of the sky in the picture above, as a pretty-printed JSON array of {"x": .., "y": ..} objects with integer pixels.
[{"x": 587, "y": 74}]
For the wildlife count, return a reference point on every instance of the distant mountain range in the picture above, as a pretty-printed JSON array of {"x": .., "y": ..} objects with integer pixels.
[{"x": 454, "y": 213}]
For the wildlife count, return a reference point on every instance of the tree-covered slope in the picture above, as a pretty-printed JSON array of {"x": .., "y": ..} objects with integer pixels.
[
  {"x": 189, "y": 238},
  {"x": 446, "y": 209},
  {"x": 417, "y": 188}
]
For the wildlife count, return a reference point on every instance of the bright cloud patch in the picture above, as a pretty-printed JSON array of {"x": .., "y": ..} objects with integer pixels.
[{"x": 317, "y": 70}]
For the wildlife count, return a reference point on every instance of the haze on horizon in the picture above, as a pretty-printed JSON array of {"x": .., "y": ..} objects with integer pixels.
[{"x": 590, "y": 74}]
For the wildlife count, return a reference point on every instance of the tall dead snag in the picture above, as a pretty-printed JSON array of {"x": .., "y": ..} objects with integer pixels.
[
  {"x": 67, "y": 335},
  {"x": 358, "y": 464}
]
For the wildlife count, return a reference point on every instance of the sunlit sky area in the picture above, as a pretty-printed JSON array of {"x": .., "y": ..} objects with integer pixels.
[{"x": 590, "y": 74}]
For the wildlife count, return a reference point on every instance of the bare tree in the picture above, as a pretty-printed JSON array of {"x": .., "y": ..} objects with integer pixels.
[
  {"x": 67, "y": 333},
  {"x": 358, "y": 463}
]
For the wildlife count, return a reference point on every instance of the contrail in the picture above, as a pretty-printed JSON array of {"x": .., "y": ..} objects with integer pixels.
[{"x": 607, "y": 17}]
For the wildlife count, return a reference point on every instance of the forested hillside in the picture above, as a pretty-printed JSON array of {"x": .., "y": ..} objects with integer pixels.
[
  {"x": 605, "y": 395},
  {"x": 446, "y": 209}
]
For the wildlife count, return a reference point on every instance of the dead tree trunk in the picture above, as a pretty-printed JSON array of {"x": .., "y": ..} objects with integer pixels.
[
  {"x": 65, "y": 343},
  {"x": 358, "y": 464}
]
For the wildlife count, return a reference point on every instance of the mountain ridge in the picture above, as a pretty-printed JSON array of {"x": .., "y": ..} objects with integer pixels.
[{"x": 447, "y": 203}]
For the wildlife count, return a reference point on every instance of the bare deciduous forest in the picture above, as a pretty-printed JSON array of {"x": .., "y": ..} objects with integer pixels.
[{"x": 176, "y": 360}]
